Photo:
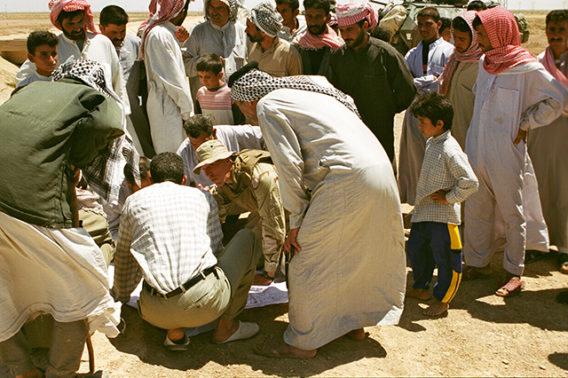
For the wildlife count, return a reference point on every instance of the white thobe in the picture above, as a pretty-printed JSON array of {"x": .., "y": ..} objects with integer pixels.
[
  {"x": 338, "y": 184},
  {"x": 461, "y": 95},
  {"x": 549, "y": 154},
  {"x": 99, "y": 48},
  {"x": 57, "y": 271},
  {"x": 169, "y": 101},
  {"x": 412, "y": 141},
  {"x": 137, "y": 125},
  {"x": 507, "y": 201},
  {"x": 235, "y": 138},
  {"x": 228, "y": 41},
  {"x": 29, "y": 75}
]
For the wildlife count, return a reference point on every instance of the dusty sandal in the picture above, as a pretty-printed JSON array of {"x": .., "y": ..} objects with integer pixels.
[{"x": 512, "y": 287}]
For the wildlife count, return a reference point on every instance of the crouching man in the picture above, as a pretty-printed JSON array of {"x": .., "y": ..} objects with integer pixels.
[
  {"x": 248, "y": 182},
  {"x": 170, "y": 234}
]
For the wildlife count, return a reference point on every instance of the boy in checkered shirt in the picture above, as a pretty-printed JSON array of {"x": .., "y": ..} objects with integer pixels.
[{"x": 445, "y": 180}]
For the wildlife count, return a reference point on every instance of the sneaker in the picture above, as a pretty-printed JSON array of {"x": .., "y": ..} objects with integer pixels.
[{"x": 178, "y": 345}]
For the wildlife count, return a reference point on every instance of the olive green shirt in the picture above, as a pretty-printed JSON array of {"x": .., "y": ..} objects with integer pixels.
[
  {"x": 46, "y": 128},
  {"x": 262, "y": 198}
]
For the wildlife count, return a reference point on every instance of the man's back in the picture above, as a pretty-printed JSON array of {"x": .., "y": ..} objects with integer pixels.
[{"x": 173, "y": 232}]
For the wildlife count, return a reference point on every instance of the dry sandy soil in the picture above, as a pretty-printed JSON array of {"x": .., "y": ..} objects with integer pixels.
[{"x": 482, "y": 335}]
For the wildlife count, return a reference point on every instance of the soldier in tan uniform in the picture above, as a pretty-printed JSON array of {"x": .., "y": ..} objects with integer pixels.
[{"x": 247, "y": 182}]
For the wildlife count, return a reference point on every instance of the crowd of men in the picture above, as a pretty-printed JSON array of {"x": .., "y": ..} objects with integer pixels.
[{"x": 201, "y": 163}]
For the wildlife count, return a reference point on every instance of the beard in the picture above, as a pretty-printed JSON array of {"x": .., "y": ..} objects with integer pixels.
[
  {"x": 317, "y": 29},
  {"x": 75, "y": 36}
]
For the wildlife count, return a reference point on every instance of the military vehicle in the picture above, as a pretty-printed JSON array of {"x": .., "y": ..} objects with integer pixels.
[{"x": 400, "y": 19}]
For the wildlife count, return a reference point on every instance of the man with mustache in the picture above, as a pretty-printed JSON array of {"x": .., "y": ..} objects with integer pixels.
[
  {"x": 319, "y": 40},
  {"x": 371, "y": 71},
  {"x": 273, "y": 54}
]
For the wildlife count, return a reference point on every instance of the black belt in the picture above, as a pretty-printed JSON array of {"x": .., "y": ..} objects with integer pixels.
[{"x": 184, "y": 287}]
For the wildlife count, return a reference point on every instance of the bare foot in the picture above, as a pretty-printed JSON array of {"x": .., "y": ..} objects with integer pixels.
[
  {"x": 436, "y": 309},
  {"x": 358, "y": 334},
  {"x": 225, "y": 329},
  {"x": 33, "y": 373},
  {"x": 421, "y": 294},
  {"x": 277, "y": 348}
]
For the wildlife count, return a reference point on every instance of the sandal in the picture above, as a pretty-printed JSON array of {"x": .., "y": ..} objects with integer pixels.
[
  {"x": 276, "y": 348},
  {"x": 512, "y": 287}
]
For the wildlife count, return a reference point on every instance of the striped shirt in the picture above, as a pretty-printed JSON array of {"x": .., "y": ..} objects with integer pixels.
[
  {"x": 168, "y": 233},
  {"x": 217, "y": 104},
  {"x": 446, "y": 167}
]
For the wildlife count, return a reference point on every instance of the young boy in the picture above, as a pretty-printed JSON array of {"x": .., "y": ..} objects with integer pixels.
[
  {"x": 445, "y": 180},
  {"x": 42, "y": 52},
  {"x": 213, "y": 98}
]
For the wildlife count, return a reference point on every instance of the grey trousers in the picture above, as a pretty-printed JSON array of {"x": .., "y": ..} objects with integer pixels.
[
  {"x": 223, "y": 294},
  {"x": 68, "y": 340}
]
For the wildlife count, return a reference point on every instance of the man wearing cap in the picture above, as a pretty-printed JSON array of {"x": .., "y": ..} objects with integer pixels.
[
  {"x": 247, "y": 182},
  {"x": 170, "y": 235},
  {"x": 317, "y": 42},
  {"x": 220, "y": 34},
  {"x": 48, "y": 263},
  {"x": 348, "y": 267},
  {"x": 169, "y": 100},
  {"x": 273, "y": 54},
  {"x": 371, "y": 71},
  {"x": 199, "y": 129}
]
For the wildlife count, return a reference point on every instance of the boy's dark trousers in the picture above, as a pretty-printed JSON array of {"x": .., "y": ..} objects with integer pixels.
[{"x": 434, "y": 244}]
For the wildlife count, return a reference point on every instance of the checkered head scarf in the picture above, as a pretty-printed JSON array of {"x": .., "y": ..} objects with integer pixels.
[
  {"x": 267, "y": 19},
  {"x": 233, "y": 5},
  {"x": 351, "y": 13},
  {"x": 503, "y": 33},
  {"x": 472, "y": 54},
  {"x": 255, "y": 84},
  {"x": 105, "y": 174},
  {"x": 58, "y": 6},
  {"x": 89, "y": 72}
]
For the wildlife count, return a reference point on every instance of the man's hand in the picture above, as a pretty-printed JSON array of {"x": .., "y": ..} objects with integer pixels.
[
  {"x": 439, "y": 196},
  {"x": 292, "y": 242},
  {"x": 182, "y": 34},
  {"x": 522, "y": 135}
]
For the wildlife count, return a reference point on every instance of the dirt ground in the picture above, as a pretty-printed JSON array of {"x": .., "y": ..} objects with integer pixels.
[{"x": 482, "y": 335}]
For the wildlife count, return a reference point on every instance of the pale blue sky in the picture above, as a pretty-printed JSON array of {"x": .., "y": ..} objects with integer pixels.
[{"x": 142, "y": 5}]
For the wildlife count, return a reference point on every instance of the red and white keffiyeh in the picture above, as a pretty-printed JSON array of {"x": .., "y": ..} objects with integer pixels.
[
  {"x": 503, "y": 33},
  {"x": 161, "y": 11},
  {"x": 328, "y": 38},
  {"x": 549, "y": 63},
  {"x": 472, "y": 54},
  {"x": 351, "y": 13},
  {"x": 58, "y": 6}
]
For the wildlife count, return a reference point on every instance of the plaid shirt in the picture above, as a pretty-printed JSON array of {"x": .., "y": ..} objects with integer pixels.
[
  {"x": 168, "y": 233},
  {"x": 445, "y": 167}
]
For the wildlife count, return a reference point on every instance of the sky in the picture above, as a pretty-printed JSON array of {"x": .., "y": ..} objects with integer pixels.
[{"x": 197, "y": 5}]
